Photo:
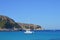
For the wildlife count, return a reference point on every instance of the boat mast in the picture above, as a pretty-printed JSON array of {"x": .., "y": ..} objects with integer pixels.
[
  {"x": 29, "y": 26},
  {"x": 34, "y": 27}
]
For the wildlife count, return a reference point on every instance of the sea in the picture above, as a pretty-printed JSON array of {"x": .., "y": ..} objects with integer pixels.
[{"x": 36, "y": 35}]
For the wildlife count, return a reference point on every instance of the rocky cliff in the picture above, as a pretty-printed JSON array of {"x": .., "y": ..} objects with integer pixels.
[
  {"x": 25, "y": 26},
  {"x": 8, "y": 24}
]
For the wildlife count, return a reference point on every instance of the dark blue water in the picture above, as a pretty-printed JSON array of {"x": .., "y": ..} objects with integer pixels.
[{"x": 36, "y": 35}]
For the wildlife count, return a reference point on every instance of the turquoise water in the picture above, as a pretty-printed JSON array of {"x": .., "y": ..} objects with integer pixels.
[{"x": 36, "y": 35}]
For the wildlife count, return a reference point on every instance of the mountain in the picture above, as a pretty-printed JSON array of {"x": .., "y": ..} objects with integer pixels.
[{"x": 8, "y": 24}]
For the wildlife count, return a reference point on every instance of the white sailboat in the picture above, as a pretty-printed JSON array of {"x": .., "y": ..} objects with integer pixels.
[{"x": 28, "y": 31}]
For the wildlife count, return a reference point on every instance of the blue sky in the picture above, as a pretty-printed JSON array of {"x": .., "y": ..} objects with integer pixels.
[{"x": 42, "y": 12}]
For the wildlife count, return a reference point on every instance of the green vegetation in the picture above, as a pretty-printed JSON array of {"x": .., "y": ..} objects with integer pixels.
[{"x": 2, "y": 24}]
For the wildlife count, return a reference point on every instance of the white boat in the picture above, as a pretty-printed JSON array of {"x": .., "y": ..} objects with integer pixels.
[{"x": 28, "y": 32}]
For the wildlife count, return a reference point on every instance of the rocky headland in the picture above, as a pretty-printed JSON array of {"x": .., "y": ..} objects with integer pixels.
[{"x": 8, "y": 24}]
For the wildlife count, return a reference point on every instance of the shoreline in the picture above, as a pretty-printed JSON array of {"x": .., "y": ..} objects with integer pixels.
[{"x": 31, "y": 30}]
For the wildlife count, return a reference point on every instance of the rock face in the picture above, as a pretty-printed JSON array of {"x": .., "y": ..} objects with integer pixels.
[
  {"x": 8, "y": 24},
  {"x": 25, "y": 26}
]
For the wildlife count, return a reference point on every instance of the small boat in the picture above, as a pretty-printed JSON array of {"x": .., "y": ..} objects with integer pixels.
[{"x": 28, "y": 32}]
